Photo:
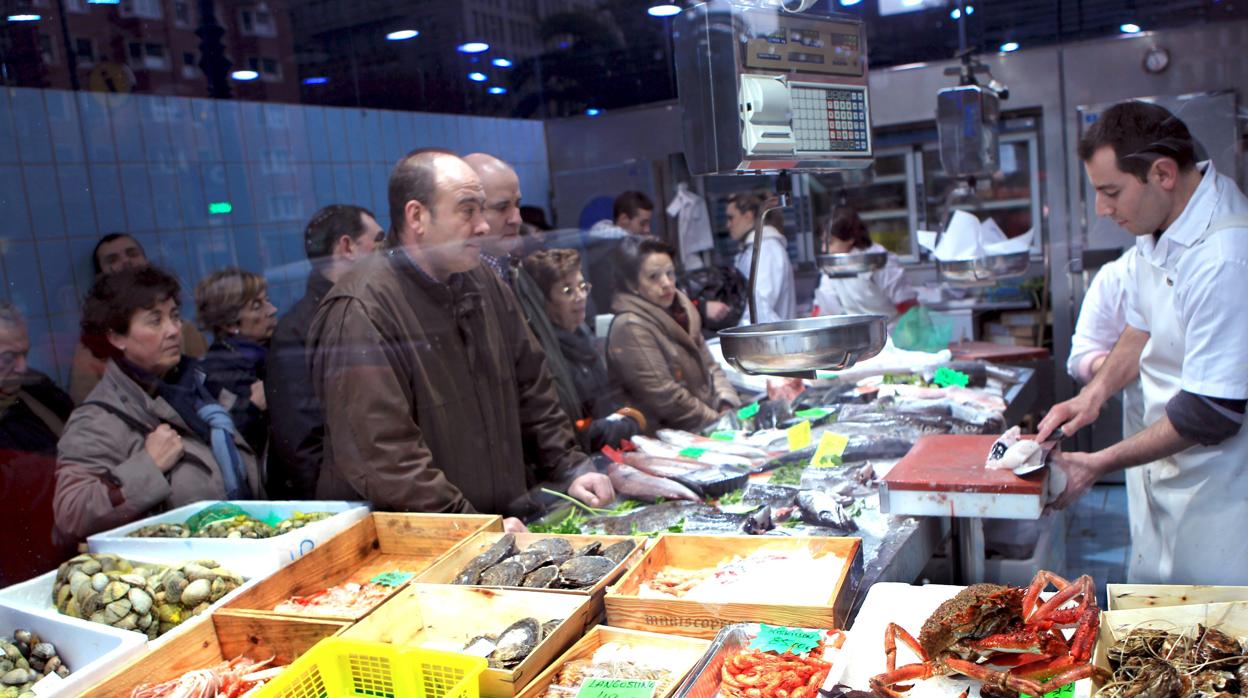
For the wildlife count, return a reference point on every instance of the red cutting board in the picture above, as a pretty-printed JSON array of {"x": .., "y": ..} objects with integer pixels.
[
  {"x": 955, "y": 463},
  {"x": 996, "y": 353}
]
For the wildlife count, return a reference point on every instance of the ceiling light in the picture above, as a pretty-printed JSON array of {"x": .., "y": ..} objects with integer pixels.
[
  {"x": 319, "y": 80},
  {"x": 244, "y": 75},
  {"x": 1130, "y": 28},
  {"x": 473, "y": 47},
  {"x": 501, "y": 62},
  {"x": 665, "y": 9},
  {"x": 911, "y": 3},
  {"x": 849, "y": 3},
  {"x": 955, "y": 14},
  {"x": 477, "y": 77},
  {"x": 103, "y": 2},
  {"x": 970, "y": 10},
  {"x": 1009, "y": 47},
  {"x": 25, "y": 18},
  {"x": 496, "y": 90},
  {"x": 402, "y": 35},
  {"x": 592, "y": 111}
]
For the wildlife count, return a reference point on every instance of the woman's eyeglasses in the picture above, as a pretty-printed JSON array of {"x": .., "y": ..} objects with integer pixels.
[{"x": 570, "y": 291}]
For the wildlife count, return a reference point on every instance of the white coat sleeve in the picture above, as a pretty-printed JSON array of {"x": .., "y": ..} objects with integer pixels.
[
  {"x": 1102, "y": 317},
  {"x": 1215, "y": 352},
  {"x": 892, "y": 281},
  {"x": 771, "y": 271},
  {"x": 825, "y": 300}
]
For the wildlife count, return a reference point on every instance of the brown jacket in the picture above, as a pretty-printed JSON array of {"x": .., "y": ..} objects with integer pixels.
[
  {"x": 104, "y": 475},
  {"x": 433, "y": 392},
  {"x": 86, "y": 369},
  {"x": 665, "y": 371}
]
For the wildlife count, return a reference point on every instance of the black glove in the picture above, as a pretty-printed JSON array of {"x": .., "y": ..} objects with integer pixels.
[{"x": 610, "y": 431}]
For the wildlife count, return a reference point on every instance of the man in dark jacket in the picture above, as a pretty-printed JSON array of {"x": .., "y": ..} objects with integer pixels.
[
  {"x": 337, "y": 237},
  {"x": 430, "y": 378}
]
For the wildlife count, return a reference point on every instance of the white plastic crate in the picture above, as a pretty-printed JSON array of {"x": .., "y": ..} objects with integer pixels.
[
  {"x": 273, "y": 553},
  {"x": 90, "y": 650}
]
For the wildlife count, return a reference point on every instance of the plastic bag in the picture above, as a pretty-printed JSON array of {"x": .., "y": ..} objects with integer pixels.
[
  {"x": 919, "y": 330},
  {"x": 214, "y": 512}
]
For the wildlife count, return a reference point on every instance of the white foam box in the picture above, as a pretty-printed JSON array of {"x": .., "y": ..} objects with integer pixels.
[
  {"x": 90, "y": 650},
  {"x": 35, "y": 595},
  {"x": 908, "y": 606},
  {"x": 274, "y": 553}
]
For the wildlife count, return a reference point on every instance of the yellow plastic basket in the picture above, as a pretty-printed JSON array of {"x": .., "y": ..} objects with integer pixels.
[{"x": 340, "y": 668}]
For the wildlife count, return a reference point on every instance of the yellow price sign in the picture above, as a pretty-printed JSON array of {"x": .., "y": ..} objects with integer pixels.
[
  {"x": 828, "y": 454},
  {"x": 799, "y": 435}
]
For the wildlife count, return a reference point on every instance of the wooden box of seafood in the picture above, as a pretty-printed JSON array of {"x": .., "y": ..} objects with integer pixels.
[
  {"x": 619, "y": 653},
  {"x": 1124, "y": 597},
  {"x": 519, "y": 632},
  {"x": 1191, "y": 651},
  {"x": 157, "y": 599},
  {"x": 62, "y": 656},
  {"x": 694, "y": 585},
  {"x": 748, "y": 660},
  {"x": 570, "y": 564},
  {"x": 224, "y": 658},
  {"x": 348, "y": 576},
  {"x": 270, "y": 533}
]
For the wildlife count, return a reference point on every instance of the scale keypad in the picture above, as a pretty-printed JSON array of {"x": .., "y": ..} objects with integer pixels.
[{"x": 830, "y": 119}]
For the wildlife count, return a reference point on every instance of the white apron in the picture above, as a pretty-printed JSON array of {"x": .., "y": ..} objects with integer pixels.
[
  {"x": 1189, "y": 512},
  {"x": 859, "y": 295}
]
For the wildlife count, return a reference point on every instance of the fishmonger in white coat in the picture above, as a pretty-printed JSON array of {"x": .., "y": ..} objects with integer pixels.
[
  {"x": 774, "y": 290},
  {"x": 884, "y": 291}
]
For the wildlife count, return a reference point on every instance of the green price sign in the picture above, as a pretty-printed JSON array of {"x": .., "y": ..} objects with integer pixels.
[
  {"x": 1067, "y": 691},
  {"x": 616, "y": 688},
  {"x": 771, "y": 638}
]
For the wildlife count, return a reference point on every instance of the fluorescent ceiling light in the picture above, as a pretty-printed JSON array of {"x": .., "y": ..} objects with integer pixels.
[
  {"x": 592, "y": 111},
  {"x": 402, "y": 35},
  {"x": 663, "y": 10},
  {"x": 244, "y": 75},
  {"x": 477, "y": 77},
  {"x": 1009, "y": 47},
  {"x": 473, "y": 47},
  {"x": 315, "y": 80},
  {"x": 1130, "y": 28},
  {"x": 496, "y": 90},
  {"x": 501, "y": 62},
  {"x": 25, "y": 18}
]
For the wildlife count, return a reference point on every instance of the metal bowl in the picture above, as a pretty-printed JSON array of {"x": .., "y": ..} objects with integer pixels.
[
  {"x": 849, "y": 264},
  {"x": 800, "y": 347},
  {"x": 984, "y": 271}
]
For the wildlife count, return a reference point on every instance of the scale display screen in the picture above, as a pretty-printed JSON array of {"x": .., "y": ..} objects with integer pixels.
[{"x": 803, "y": 45}]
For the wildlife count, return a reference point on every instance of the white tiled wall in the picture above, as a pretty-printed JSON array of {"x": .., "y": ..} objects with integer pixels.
[{"x": 74, "y": 166}]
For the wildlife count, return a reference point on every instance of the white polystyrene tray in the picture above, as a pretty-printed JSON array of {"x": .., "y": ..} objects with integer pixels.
[
  {"x": 90, "y": 650},
  {"x": 35, "y": 595},
  {"x": 908, "y": 606},
  {"x": 274, "y": 553}
]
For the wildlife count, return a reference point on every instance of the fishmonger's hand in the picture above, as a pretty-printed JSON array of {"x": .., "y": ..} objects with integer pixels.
[{"x": 593, "y": 489}]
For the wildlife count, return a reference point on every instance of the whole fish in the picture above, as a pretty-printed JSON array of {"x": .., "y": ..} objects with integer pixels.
[
  {"x": 654, "y": 447},
  {"x": 631, "y": 483},
  {"x": 684, "y": 439},
  {"x": 774, "y": 496},
  {"x": 753, "y": 523},
  {"x": 650, "y": 519},
  {"x": 822, "y": 509},
  {"x": 662, "y": 467}
]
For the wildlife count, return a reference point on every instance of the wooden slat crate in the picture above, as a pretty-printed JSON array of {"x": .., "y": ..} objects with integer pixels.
[
  {"x": 682, "y": 649},
  {"x": 1123, "y": 597}
]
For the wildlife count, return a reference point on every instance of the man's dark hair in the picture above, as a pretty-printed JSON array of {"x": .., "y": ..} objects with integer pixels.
[
  {"x": 631, "y": 254},
  {"x": 412, "y": 179},
  {"x": 115, "y": 298},
  {"x": 630, "y": 203},
  {"x": 95, "y": 253},
  {"x": 331, "y": 223},
  {"x": 1140, "y": 133}
]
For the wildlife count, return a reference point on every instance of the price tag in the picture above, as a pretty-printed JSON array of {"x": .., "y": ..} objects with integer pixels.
[
  {"x": 691, "y": 452},
  {"x": 616, "y": 688},
  {"x": 747, "y": 411},
  {"x": 392, "y": 579},
  {"x": 799, "y": 435},
  {"x": 724, "y": 436},
  {"x": 812, "y": 413},
  {"x": 771, "y": 638},
  {"x": 828, "y": 454},
  {"x": 946, "y": 377},
  {"x": 1067, "y": 691}
]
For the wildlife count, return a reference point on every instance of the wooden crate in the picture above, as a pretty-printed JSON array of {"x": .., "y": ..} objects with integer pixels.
[
  {"x": 698, "y": 619},
  {"x": 379, "y": 543},
  {"x": 448, "y": 567},
  {"x": 446, "y": 617},
  {"x": 207, "y": 644},
  {"x": 602, "y": 634},
  {"x": 1124, "y": 597}
]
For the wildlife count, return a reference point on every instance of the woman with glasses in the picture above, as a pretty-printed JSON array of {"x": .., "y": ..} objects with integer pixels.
[
  {"x": 655, "y": 350},
  {"x": 579, "y": 370}
]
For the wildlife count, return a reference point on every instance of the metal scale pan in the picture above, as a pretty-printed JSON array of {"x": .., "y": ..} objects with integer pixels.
[{"x": 850, "y": 264}]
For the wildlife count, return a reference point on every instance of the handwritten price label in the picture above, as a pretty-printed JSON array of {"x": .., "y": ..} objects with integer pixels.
[
  {"x": 799, "y": 436},
  {"x": 776, "y": 639},
  {"x": 392, "y": 579},
  {"x": 616, "y": 688},
  {"x": 831, "y": 446}
]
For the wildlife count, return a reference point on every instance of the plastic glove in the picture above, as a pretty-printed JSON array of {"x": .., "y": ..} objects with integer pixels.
[{"x": 610, "y": 431}]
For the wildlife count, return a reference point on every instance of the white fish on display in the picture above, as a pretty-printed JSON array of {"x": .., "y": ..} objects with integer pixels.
[
  {"x": 684, "y": 439},
  {"x": 659, "y": 449}
]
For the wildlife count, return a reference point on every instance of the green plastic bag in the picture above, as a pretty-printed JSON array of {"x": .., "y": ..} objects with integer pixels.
[
  {"x": 215, "y": 512},
  {"x": 919, "y": 330}
]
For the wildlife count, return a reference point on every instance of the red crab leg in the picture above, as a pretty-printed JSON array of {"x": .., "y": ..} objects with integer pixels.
[
  {"x": 1065, "y": 675},
  {"x": 882, "y": 684},
  {"x": 890, "y": 645},
  {"x": 1039, "y": 583},
  {"x": 1085, "y": 634},
  {"x": 993, "y": 677},
  {"x": 1048, "y": 611}
]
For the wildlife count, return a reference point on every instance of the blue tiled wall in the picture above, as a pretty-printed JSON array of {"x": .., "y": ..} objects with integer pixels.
[{"x": 74, "y": 166}]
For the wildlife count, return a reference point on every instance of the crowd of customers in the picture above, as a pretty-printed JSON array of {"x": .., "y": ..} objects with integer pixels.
[{"x": 443, "y": 365}]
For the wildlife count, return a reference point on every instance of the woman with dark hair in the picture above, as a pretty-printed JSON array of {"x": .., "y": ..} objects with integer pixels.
[
  {"x": 234, "y": 305},
  {"x": 884, "y": 291},
  {"x": 581, "y": 380},
  {"x": 655, "y": 349},
  {"x": 774, "y": 289},
  {"x": 149, "y": 436}
]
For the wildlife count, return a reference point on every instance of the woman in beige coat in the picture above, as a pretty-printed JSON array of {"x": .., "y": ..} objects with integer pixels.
[
  {"x": 149, "y": 436},
  {"x": 655, "y": 350}
]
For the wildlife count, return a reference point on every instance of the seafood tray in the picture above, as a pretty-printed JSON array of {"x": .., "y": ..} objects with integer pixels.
[
  {"x": 274, "y": 552},
  {"x": 88, "y": 649},
  {"x": 626, "y": 609},
  {"x": 377, "y": 544},
  {"x": 210, "y": 643},
  {"x": 35, "y": 594},
  {"x": 448, "y": 617},
  {"x": 601, "y": 634},
  {"x": 908, "y": 606},
  {"x": 445, "y": 570},
  {"x": 1123, "y": 597},
  {"x": 704, "y": 681}
]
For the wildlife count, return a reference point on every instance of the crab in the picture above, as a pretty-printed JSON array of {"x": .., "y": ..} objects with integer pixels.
[{"x": 988, "y": 625}]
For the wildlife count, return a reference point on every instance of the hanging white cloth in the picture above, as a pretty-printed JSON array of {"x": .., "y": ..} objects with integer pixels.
[{"x": 693, "y": 223}]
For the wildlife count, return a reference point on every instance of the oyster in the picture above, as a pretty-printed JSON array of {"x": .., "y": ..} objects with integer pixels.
[
  {"x": 584, "y": 571},
  {"x": 589, "y": 549},
  {"x": 560, "y": 550},
  {"x": 543, "y": 577},
  {"x": 503, "y": 548},
  {"x": 531, "y": 560},
  {"x": 617, "y": 552},
  {"x": 550, "y": 626},
  {"x": 508, "y": 573},
  {"x": 516, "y": 642}
]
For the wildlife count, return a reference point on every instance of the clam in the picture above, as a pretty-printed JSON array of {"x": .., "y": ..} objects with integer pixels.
[
  {"x": 543, "y": 577},
  {"x": 584, "y": 571},
  {"x": 618, "y": 552},
  {"x": 516, "y": 642},
  {"x": 299, "y": 520},
  {"x": 43, "y": 650},
  {"x": 196, "y": 593},
  {"x": 508, "y": 573},
  {"x": 140, "y": 600},
  {"x": 18, "y": 677},
  {"x": 114, "y": 591},
  {"x": 99, "y": 580}
]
